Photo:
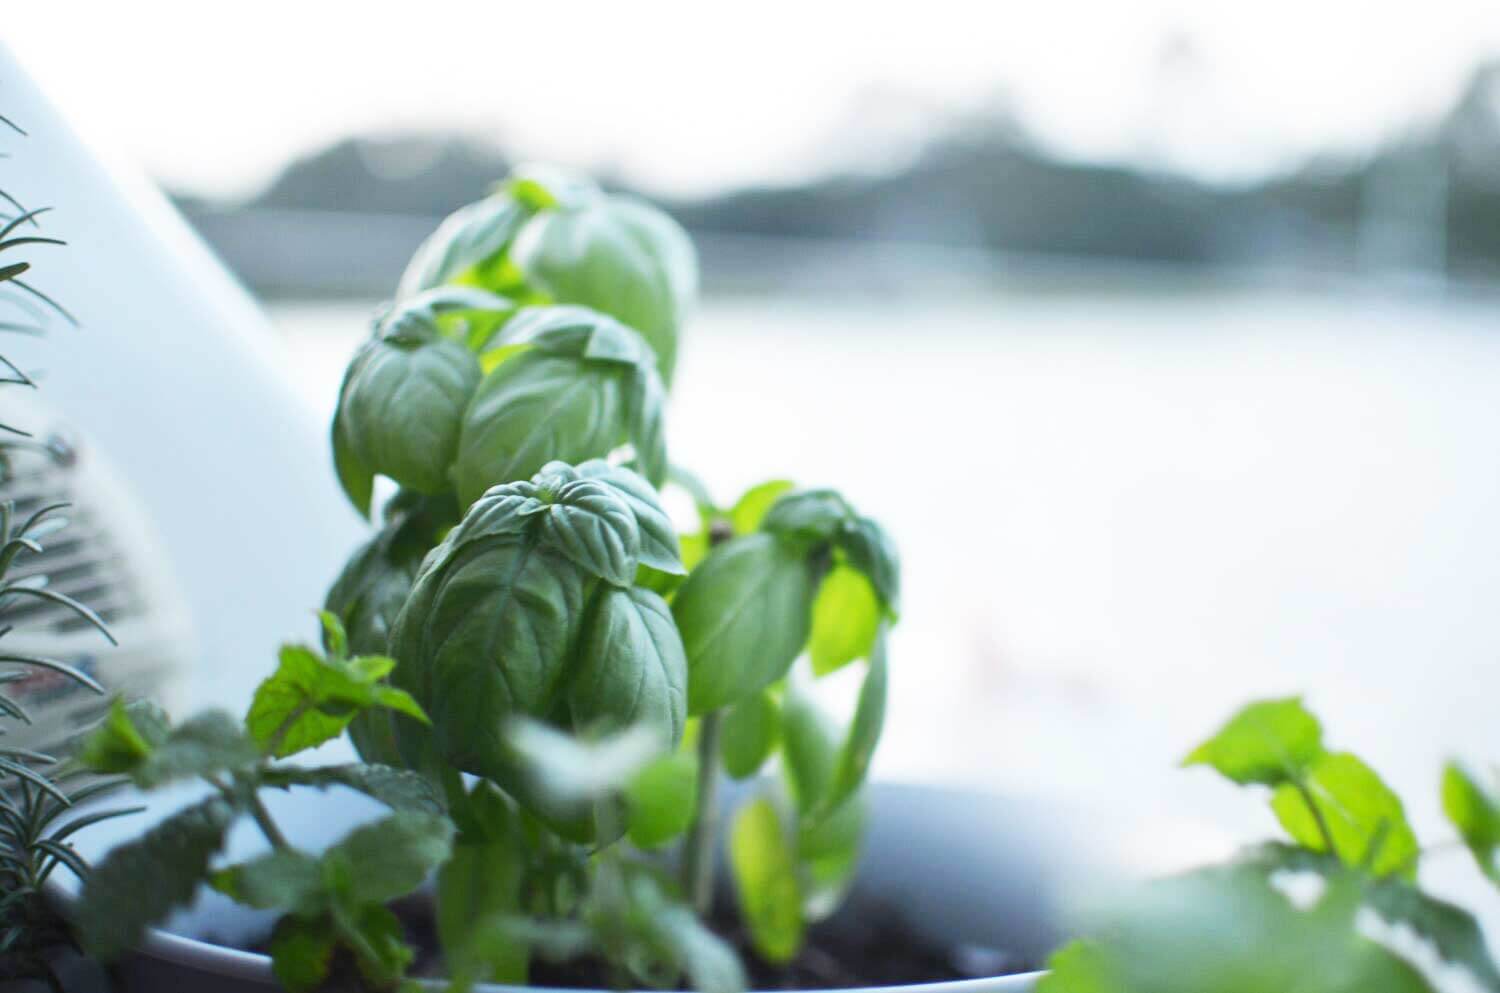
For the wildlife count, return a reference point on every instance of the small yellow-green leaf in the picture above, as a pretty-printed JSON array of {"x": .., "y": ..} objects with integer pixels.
[
  {"x": 1364, "y": 816},
  {"x": 745, "y": 516},
  {"x": 662, "y": 799},
  {"x": 1475, "y": 812},
  {"x": 1269, "y": 742},
  {"x": 765, "y": 874},
  {"x": 846, "y": 617}
]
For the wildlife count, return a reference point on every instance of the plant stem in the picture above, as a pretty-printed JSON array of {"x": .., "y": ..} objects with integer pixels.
[
  {"x": 267, "y": 826},
  {"x": 1317, "y": 815},
  {"x": 699, "y": 849}
]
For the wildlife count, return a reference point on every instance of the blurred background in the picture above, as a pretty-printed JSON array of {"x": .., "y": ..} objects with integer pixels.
[{"x": 1165, "y": 336}]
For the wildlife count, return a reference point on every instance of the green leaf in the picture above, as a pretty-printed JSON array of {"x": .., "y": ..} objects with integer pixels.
[
  {"x": 1365, "y": 818},
  {"x": 279, "y": 880},
  {"x": 488, "y": 632},
  {"x": 143, "y": 880},
  {"x": 809, "y": 515},
  {"x": 125, "y": 738},
  {"x": 401, "y": 410},
  {"x": 749, "y": 733},
  {"x": 744, "y": 614},
  {"x": 809, "y": 751},
  {"x": 662, "y": 799},
  {"x": 302, "y": 953},
  {"x": 482, "y": 880},
  {"x": 750, "y": 509},
  {"x": 846, "y": 618},
  {"x": 335, "y": 637},
  {"x": 870, "y": 550},
  {"x": 828, "y": 855},
  {"x": 399, "y": 789},
  {"x": 658, "y": 539},
  {"x": 708, "y": 962},
  {"x": 765, "y": 875},
  {"x": 631, "y": 669},
  {"x": 469, "y": 243},
  {"x": 391, "y": 857},
  {"x": 864, "y": 733},
  {"x": 1270, "y": 742},
  {"x": 574, "y": 771},
  {"x": 381, "y": 952},
  {"x": 208, "y": 743},
  {"x": 1080, "y": 967},
  {"x": 593, "y": 527},
  {"x": 1475, "y": 812},
  {"x": 619, "y": 256}
]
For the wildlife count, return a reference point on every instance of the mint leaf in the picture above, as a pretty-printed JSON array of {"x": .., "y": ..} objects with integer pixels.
[
  {"x": 708, "y": 962},
  {"x": 572, "y": 771},
  {"x": 389, "y": 857},
  {"x": 749, "y": 733},
  {"x": 381, "y": 953},
  {"x": 1271, "y": 742},
  {"x": 141, "y": 881},
  {"x": 125, "y": 738},
  {"x": 280, "y": 880},
  {"x": 206, "y": 744},
  {"x": 1364, "y": 816},
  {"x": 399, "y": 789},
  {"x": 302, "y": 953},
  {"x": 1475, "y": 812},
  {"x": 846, "y": 617},
  {"x": 765, "y": 875}
]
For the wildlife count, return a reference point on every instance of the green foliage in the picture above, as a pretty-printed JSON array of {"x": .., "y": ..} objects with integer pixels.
[
  {"x": 1271, "y": 742},
  {"x": 1475, "y": 812},
  {"x": 751, "y": 732},
  {"x": 1357, "y": 815},
  {"x": 763, "y": 860}
]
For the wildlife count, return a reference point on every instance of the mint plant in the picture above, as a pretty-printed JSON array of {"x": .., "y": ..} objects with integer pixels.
[
  {"x": 1235, "y": 928},
  {"x": 541, "y": 606},
  {"x": 333, "y": 904}
]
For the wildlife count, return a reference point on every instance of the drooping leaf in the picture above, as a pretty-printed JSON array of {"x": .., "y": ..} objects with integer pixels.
[
  {"x": 1364, "y": 816},
  {"x": 467, "y": 246},
  {"x": 381, "y": 954},
  {"x": 744, "y": 614},
  {"x": 749, "y": 733},
  {"x": 765, "y": 874},
  {"x": 661, "y": 799},
  {"x": 631, "y": 668},
  {"x": 143, "y": 880},
  {"x": 828, "y": 848},
  {"x": 399, "y": 789},
  {"x": 750, "y": 509},
  {"x": 846, "y": 617},
  {"x": 809, "y": 751},
  {"x": 1270, "y": 742},
  {"x": 808, "y": 515},
  {"x": 859, "y": 744},
  {"x": 1475, "y": 812},
  {"x": 706, "y": 960},
  {"x": 870, "y": 550}
]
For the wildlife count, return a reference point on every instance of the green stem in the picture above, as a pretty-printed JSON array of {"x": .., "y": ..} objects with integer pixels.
[
  {"x": 699, "y": 849},
  {"x": 267, "y": 826},
  {"x": 1318, "y": 819}
]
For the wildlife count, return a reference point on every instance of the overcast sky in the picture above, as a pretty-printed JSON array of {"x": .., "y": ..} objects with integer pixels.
[{"x": 212, "y": 97}]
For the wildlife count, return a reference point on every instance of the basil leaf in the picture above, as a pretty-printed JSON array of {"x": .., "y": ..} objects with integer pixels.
[
  {"x": 482, "y": 880},
  {"x": 846, "y": 618},
  {"x": 467, "y": 246},
  {"x": 1475, "y": 812},
  {"x": 631, "y": 666},
  {"x": 809, "y": 752},
  {"x": 749, "y": 734},
  {"x": 870, "y": 550},
  {"x": 658, "y": 539},
  {"x": 864, "y": 732},
  {"x": 1270, "y": 742},
  {"x": 619, "y": 256},
  {"x": 400, "y": 413},
  {"x": 487, "y": 632},
  {"x": 750, "y": 509},
  {"x": 594, "y": 528},
  {"x": 662, "y": 799},
  {"x": 744, "y": 613},
  {"x": 1366, "y": 819},
  {"x": 765, "y": 876},
  {"x": 810, "y": 515},
  {"x": 828, "y": 855}
]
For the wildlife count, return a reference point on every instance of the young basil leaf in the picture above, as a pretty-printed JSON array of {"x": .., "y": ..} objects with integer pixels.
[
  {"x": 399, "y": 789},
  {"x": 619, "y": 256},
  {"x": 662, "y": 799},
  {"x": 809, "y": 515},
  {"x": 460, "y": 313},
  {"x": 1365, "y": 818},
  {"x": 1270, "y": 742},
  {"x": 828, "y": 855},
  {"x": 749, "y": 733},
  {"x": 488, "y": 632},
  {"x": 143, "y": 880},
  {"x": 864, "y": 732},
  {"x": 280, "y": 880},
  {"x": 765, "y": 874},
  {"x": 658, "y": 539},
  {"x": 126, "y": 737},
  {"x": 870, "y": 550},
  {"x": 1475, "y": 812},
  {"x": 750, "y": 509},
  {"x": 631, "y": 666},
  {"x": 846, "y": 619},
  {"x": 390, "y": 857},
  {"x": 468, "y": 246},
  {"x": 744, "y": 614},
  {"x": 810, "y": 752},
  {"x": 302, "y": 953},
  {"x": 401, "y": 410},
  {"x": 482, "y": 879},
  {"x": 594, "y": 527},
  {"x": 205, "y": 744}
]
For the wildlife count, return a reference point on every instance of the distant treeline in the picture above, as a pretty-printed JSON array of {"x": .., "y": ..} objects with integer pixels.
[{"x": 1429, "y": 201}]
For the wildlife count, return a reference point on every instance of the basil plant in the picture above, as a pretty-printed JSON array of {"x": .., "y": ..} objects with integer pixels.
[{"x": 586, "y": 673}]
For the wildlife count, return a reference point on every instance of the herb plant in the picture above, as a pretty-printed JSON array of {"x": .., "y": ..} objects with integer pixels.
[
  {"x": 1235, "y": 928},
  {"x": 539, "y": 602}
]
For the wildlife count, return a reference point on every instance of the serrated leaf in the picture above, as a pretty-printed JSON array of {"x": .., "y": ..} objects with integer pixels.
[
  {"x": 143, "y": 880},
  {"x": 846, "y": 618},
  {"x": 392, "y": 856},
  {"x": 750, "y": 509},
  {"x": 765, "y": 874},
  {"x": 382, "y": 954},
  {"x": 662, "y": 799},
  {"x": 399, "y": 789},
  {"x": 208, "y": 743},
  {"x": 124, "y": 739},
  {"x": 309, "y": 700},
  {"x": 1364, "y": 816},
  {"x": 631, "y": 667},
  {"x": 302, "y": 953},
  {"x": 749, "y": 733},
  {"x": 1270, "y": 742},
  {"x": 744, "y": 614},
  {"x": 280, "y": 880},
  {"x": 1475, "y": 812}
]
